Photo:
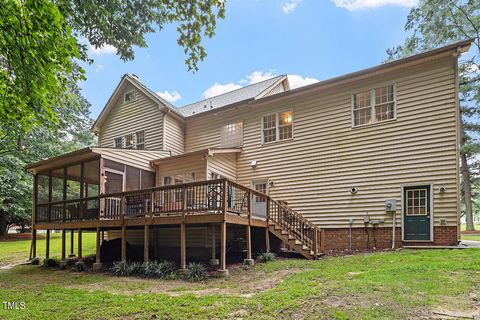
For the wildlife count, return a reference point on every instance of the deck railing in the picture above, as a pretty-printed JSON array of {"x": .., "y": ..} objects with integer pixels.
[{"x": 219, "y": 196}]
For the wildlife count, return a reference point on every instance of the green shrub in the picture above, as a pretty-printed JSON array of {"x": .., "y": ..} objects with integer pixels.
[
  {"x": 150, "y": 269},
  {"x": 266, "y": 257},
  {"x": 166, "y": 270},
  {"x": 136, "y": 269},
  {"x": 79, "y": 266},
  {"x": 195, "y": 272},
  {"x": 121, "y": 268},
  {"x": 35, "y": 261},
  {"x": 50, "y": 263}
]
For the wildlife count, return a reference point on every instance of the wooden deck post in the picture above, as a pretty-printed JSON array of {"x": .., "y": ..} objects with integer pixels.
[
  {"x": 34, "y": 243},
  {"x": 47, "y": 245},
  {"x": 267, "y": 240},
  {"x": 223, "y": 249},
  {"x": 72, "y": 241},
  {"x": 249, "y": 261},
  {"x": 64, "y": 249},
  {"x": 98, "y": 263},
  {"x": 124, "y": 243},
  {"x": 183, "y": 247},
  {"x": 214, "y": 261},
  {"x": 146, "y": 242},
  {"x": 79, "y": 244}
]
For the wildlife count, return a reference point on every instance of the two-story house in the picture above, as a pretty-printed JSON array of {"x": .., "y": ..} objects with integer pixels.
[{"x": 368, "y": 160}]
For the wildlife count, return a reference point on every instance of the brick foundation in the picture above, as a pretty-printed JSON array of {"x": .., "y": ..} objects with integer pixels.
[{"x": 337, "y": 240}]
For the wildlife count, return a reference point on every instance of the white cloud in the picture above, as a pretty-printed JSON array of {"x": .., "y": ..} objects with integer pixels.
[
  {"x": 257, "y": 76},
  {"x": 106, "y": 49},
  {"x": 99, "y": 68},
  {"x": 290, "y": 6},
  {"x": 170, "y": 96},
  {"x": 352, "y": 5},
  {"x": 218, "y": 88},
  {"x": 297, "y": 81}
]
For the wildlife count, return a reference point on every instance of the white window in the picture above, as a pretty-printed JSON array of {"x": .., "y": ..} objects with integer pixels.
[
  {"x": 118, "y": 143},
  {"x": 131, "y": 141},
  {"x": 277, "y": 126},
  {"x": 232, "y": 135},
  {"x": 140, "y": 140},
  {"x": 129, "y": 96},
  {"x": 373, "y": 106}
]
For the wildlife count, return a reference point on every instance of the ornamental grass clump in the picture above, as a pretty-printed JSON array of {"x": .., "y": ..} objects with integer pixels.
[
  {"x": 265, "y": 257},
  {"x": 195, "y": 272}
]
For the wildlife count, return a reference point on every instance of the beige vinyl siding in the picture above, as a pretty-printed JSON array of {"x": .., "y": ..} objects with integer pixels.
[
  {"x": 194, "y": 163},
  {"x": 124, "y": 118},
  {"x": 174, "y": 135},
  {"x": 315, "y": 171},
  {"x": 224, "y": 164},
  {"x": 135, "y": 158}
]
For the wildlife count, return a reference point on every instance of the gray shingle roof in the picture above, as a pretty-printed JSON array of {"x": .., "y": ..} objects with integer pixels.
[{"x": 244, "y": 93}]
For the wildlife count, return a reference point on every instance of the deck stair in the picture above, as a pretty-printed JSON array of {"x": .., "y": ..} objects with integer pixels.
[{"x": 294, "y": 229}]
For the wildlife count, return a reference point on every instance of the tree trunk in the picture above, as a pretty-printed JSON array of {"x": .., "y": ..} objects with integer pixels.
[
  {"x": 467, "y": 186},
  {"x": 467, "y": 193},
  {"x": 3, "y": 224}
]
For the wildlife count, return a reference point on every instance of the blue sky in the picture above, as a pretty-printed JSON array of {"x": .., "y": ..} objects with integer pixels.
[{"x": 309, "y": 40}]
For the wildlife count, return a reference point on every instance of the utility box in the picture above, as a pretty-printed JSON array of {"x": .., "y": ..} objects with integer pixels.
[{"x": 391, "y": 205}]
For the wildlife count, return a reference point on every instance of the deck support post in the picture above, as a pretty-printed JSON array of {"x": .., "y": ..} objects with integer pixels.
[
  {"x": 64, "y": 245},
  {"x": 146, "y": 244},
  {"x": 214, "y": 261},
  {"x": 223, "y": 249},
  {"x": 47, "y": 245},
  {"x": 249, "y": 261},
  {"x": 98, "y": 264},
  {"x": 72, "y": 241},
  {"x": 79, "y": 244},
  {"x": 183, "y": 247},
  {"x": 124, "y": 243},
  {"x": 34, "y": 243},
  {"x": 267, "y": 240}
]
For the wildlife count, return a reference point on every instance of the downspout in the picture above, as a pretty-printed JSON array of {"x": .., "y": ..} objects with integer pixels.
[{"x": 393, "y": 230}]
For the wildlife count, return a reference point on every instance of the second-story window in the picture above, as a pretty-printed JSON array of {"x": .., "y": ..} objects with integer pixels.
[
  {"x": 277, "y": 126},
  {"x": 373, "y": 106},
  {"x": 118, "y": 143},
  {"x": 232, "y": 135},
  {"x": 131, "y": 141},
  {"x": 140, "y": 140}
]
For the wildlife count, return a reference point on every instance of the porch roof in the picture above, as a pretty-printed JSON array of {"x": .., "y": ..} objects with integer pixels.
[
  {"x": 203, "y": 152},
  {"x": 135, "y": 158}
]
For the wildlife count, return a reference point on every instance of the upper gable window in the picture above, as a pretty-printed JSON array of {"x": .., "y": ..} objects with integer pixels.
[
  {"x": 373, "y": 106},
  {"x": 277, "y": 126},
  {"x": 129, "y": 96},
  {"x": 232, "y": 135},
  {"x": 118, "y": 143}
]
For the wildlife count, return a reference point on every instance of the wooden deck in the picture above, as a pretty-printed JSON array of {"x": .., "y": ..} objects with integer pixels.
[{"x": 219, "y": 202}]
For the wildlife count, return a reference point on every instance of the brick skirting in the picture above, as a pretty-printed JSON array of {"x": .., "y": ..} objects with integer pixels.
[{"x": 381, "y": 238}]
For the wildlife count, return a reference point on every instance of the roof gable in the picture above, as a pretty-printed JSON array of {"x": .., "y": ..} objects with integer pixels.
[{"x": 117, "y": 94}]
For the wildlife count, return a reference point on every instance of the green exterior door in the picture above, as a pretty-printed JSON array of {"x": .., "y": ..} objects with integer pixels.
[{"x": 416, "y": 213}]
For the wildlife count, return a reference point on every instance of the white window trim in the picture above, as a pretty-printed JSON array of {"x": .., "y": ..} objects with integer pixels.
[
  {"x": 373, "y": 104},
  {"x": 134, "y": 96},
  {"x": 134, "y": 144},
  {"x": 277, "y": 131}
]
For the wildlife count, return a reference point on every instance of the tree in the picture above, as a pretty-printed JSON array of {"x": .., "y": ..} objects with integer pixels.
[
  {"x": 71, "y": 132},
  {"x": 41, "y": 40},
  {"x": 434, "y": 23}
]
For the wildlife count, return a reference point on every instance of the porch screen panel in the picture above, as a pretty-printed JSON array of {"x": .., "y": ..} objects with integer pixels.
[
  {"x": 148, "y": 179},
  {"x": 42, "y": 188},
  {"x": 73, "y": 182},
  {"x": 91, "y": 180},
  {"x": 57, "y": 185},
  {"x": 132, "y": 179}
]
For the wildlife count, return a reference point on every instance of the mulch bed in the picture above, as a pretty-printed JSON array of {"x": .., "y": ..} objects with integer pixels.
[{"x": 19, "y": 236}]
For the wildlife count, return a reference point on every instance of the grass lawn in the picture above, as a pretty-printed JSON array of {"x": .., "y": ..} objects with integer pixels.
[
  {"x": 18, "y": 250},
  {"x": 389, "y": 285},
  {"x": 475, "y": 237}
]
